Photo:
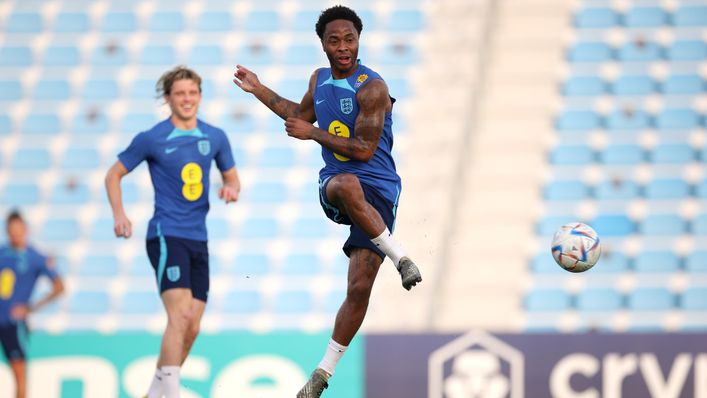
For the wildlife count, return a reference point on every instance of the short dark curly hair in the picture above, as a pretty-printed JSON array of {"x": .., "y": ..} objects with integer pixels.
[{"x": 334, "y": 13}]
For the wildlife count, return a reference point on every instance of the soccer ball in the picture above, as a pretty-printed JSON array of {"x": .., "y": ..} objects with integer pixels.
[{"x": 575, "y": 247}]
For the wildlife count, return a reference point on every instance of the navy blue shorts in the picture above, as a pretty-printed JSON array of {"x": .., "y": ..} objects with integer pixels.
[
  {"x": 13, "y": 338},
  {"x": 180, "y": 262},
  {"x": 358, "y": 238}
]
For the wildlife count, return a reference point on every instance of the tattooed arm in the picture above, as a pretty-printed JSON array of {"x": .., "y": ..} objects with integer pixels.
[
  {"x": 373, "y": 102},
  {"x": 248, "y": 82}
]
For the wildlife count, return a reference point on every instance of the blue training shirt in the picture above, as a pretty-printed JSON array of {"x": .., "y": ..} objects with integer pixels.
[
  {"x": 179, "y": 163},
  {"x": 336, "y": 109},
  {"x": 19, "y": 271}
]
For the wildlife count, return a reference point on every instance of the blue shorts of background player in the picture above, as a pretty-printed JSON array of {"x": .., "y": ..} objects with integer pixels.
[
  {"x": 358, "y": 238},
  {"x": 13, "y": 338},
  {"x": 180, "y": 262}
]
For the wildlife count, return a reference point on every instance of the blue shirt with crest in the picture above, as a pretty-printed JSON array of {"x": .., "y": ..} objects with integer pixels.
[
  {"x": 179, "y": 162},
  {"x": 19, "y": 272},
  {"x": 336, "y": 109}
]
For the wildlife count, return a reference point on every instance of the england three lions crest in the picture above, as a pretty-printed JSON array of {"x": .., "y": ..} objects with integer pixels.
[
  {"x": 346, "y": 105},
  {"x": 204, "y": 147}
]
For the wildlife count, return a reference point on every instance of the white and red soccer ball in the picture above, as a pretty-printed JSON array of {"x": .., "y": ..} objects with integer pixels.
[{"x": 576, "y": 247}]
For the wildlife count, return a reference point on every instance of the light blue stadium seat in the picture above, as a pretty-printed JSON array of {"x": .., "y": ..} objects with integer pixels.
[
  {"x": 333, "y": 301},
  {"x": 644, "y": 52},
  {"x": 277, "y": 157},
  {"x": 699, "y": 225},
  {"x": 590, "y": 52},
  {"x": 677, "y": 119},
  {"x": 578, "y": 120},
  {"x": 696, "y": 262},
  {"x": 611, "y": 262},
  {"x": 538, "y": 300},
  {"x": 656, "y": 261},
  {"x": 57, "y": 55},
  {"x": 547, "y": 225},
  {"x": 205, "y": 55},
  {"x": 577, "y": 86},
  {"x": 310, "y": 227},
  {"x": 215, "y": 21},
  {"x": 304, "y": 20},
  {"x": 615, "y": 225},
  {"x": 10, "y": 90},
  {"x": 672, "y": 153},
  {"x": 90, "y": 121},
  {"x": 139, "y": 303},
  {"x": 119, "y": 21},
  {"x": 293, "y": 89},
  {"x": 566, "y": 190},
  {"x": 595, "y": 17},
  {"x": 690, "y": 15},
  {"x": 399, "y": 88},
  {"x": 110, "y": 55},
  {"x": 94, "y": 265},
  {"x": 142, "y": 89},
  {"x": 52, "y": 90},
  {"x": 627, "y": 120},
  {"x": 100, "y": 89},
  {"x": 251, "y": 265},
  {"x": 72, "y": 22},
  {"x": 667, "y": 189},
  {"x": 616, "y": 190},
  {"x": 141, "y": 267},
  {"x": 41, "y": 123},
  {"x": 24, "y": 22},
  {"x": 369, "y": 19},
  {"x": 662, "y": 224},
  {"x": 20, "y": 194},
  {"x": 242, "y": 123},
  {"x": 242, "y": 302},
  {"x": 80, "y": 159},
  {"x": 217, "y": 228},
  {"x": 571, "y": 155},
  {"x": 411, "y": 20},
  {"x": 158, "y": 55},
  {"x": 687, "y": 50},
  {"x": 683, "y": 84},
  {"x": 133, "y": 123},
  {"x": 694, "y": 299},
  {"x": 262, "y": 21},
  {"x": 166, "y": 21},
  {"x": 622, "y": 154},
  {"x": 599, "y": 299},
  {"x": 292, "y": 302},
  {"x": 267, "y": 192},
  {"x": 20, "y": 56},
  {"x": 85, "y": 302},
  {"x": 6, "y": 125},
  {"x": 307, "y": 264},
  {"x": 544, "y": 263},
  {"x": 62, "y": 194},
  {"x": 650, "y": 299},
  {"x": 254, "y": 54},
  {"x": 302, "y": 54},
  {"x": 396, "y": 54},
  {"x": 31, "y": 159},
  {"x": 102, "y": 230},
  {"x": 60, "y": 230},
  {"x": 701, "y": 188},
  {"x": 259, "y": 228},
  {"x": 645, "y": 17},
  {"x": 633, "y": 85}
]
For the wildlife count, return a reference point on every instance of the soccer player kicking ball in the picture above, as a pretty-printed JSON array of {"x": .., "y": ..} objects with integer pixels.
[
  {"x": 358, "y": 185},
  {"x": 179, "y": 152}
]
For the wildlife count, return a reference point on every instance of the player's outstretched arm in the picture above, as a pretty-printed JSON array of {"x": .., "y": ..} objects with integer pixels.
[
  {"x": 374, "y": 102},
  {"x": 248, "y": 81},
  {"x": 121, "y": 224},
  {"x": 231, "y": 186}
]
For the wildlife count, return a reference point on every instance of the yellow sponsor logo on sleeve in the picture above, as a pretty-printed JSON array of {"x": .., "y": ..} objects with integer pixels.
[
  {"x": 340, "y": 130},
  {"x": 7, "y": 283}
]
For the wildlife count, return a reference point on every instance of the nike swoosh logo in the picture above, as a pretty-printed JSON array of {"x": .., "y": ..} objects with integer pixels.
[
  {"x": 320, "y": 101},
  {"x": 170, "y": 150}
]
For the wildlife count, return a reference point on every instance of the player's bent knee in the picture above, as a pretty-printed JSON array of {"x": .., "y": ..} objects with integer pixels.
[
  {"x": 344, "y": 183},
  {"x": 359, "y": 291}
]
